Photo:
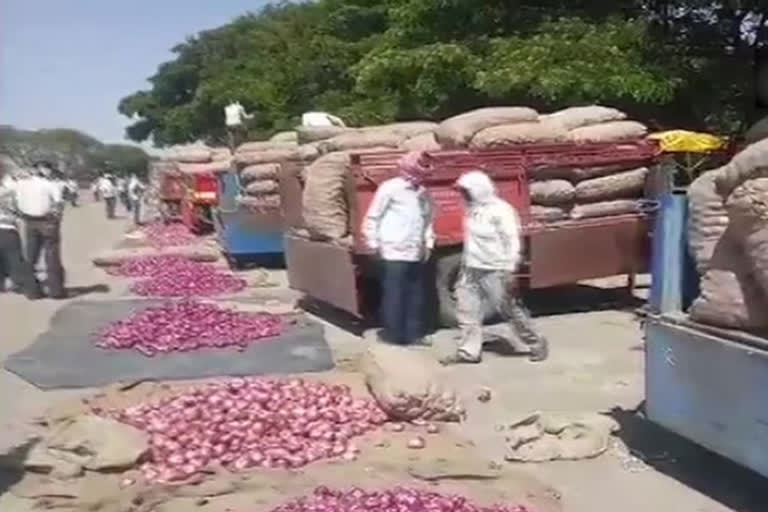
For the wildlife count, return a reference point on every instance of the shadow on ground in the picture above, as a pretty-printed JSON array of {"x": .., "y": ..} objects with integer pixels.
[
  {"x": 11, "y": 465},
  {"x": 79, "y": 291},
  {"x": 579, "y": 299},
  {"x": 716, "y": 477}
]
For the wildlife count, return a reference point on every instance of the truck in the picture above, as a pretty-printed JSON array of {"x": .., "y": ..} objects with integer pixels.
[{"x": 346, "y": 278}]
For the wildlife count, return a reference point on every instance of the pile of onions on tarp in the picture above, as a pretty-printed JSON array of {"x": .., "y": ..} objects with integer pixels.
[
  {"x": 244, "y": 423},
  {"x": 191, "y": 279},
  {"x": 161, "y": 234},
  {"x": 151, "y": 266},
  {"x": 188, "y": 325},
  {"x": 399, "y": 499}
]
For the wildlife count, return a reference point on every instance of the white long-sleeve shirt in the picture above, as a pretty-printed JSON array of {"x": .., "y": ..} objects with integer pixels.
[
  {"x": 399, "y": 221},
  {"x": 38, "y": 197},
  {"x": 106, "y": 188},
  {"x": 491, "y": 227}
]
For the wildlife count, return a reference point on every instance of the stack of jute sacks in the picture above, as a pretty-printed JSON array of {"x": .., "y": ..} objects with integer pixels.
[{"x": 728, "y": 239}]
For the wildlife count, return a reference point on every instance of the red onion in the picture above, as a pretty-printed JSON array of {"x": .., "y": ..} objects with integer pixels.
[
  {"x": 206, "y": 426},
  {"x": 191, "y": 279},
  {"x": 160, "y": 234},
  {"x": 398, "y": 499},
  {"x": 152, "y": 266},
  {"x": 188, "y": 325}
]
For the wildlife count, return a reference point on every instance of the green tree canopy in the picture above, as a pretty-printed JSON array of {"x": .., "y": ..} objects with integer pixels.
[{"x": 672, "y": 63}]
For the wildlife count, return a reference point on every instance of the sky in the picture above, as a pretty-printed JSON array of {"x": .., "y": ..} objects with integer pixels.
[{"x": 67, "y": 63}]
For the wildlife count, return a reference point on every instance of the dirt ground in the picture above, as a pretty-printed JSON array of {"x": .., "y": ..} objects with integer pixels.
[{"x": 596, "y": 365}]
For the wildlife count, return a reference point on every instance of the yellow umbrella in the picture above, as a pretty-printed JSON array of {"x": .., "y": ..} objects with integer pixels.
[{"x": 684, "y": 141}]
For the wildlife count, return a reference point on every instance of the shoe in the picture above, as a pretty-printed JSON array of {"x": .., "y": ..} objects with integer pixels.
[
  {"x": 426, "y": 341},
  {"x": 539, "y": 352},
  {"x": 459, "y": 359}
]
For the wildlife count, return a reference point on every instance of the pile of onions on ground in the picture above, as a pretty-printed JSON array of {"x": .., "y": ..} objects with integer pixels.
[
  {"x": 161, "y": 234},
  {"x": 151, "y": 266},
  {"x": 399, "y": 499},
  {"x": 244, "y": 423},
  {"x": 188, "y": 325},
  {"x": 190, "y": 279}
]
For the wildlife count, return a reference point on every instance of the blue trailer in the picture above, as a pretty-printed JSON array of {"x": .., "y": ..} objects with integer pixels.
[
  {"x": 704, "y": 383},
  {"x": 245, "y": 235}
]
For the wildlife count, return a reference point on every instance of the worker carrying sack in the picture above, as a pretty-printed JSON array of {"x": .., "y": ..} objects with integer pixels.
[{"x": 405, "y": 385}]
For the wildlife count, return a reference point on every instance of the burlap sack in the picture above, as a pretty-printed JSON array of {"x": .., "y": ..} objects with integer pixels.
[
  {"x": 191, "y": 155},
  {"x": 747, "y": 209},
  {"x": 261, "y": 188},
  {"x": 457, "y": 131},
  {"x": 604, "y": 209},
  {"x": 308, "y": 134},
  {"x": 303, "y": 153},
  {"x": 615, "y": 186},
  {"x": 259, "y": 172},
  {"x": 750, "y": 163},
  {"x": 325, "y": 206},
  {"x": 207, "y": 168},
  {"x": 265, "y": 145},
  {"x": 577, "y": 117},
  {"x": 405, "y": 385},
  {"x": 262, "y": 203},
  {"x": 707, "y": 218},
  {"x": 221, "y": 153},
  {"x": 613, "y": 131},
  {"x": 577, "y": 174},
  {"x": 423, "y": 142},
  {"x": 361, "y": 140},
  {"x": 730, "y": 297},
  {"x": 548, "y": 213},
  {"x": 551, "y": 192},
  {"x": 518, "y": 133},
  {"x": 290, "y": 136},
  {"x": 406, "y": 129}
]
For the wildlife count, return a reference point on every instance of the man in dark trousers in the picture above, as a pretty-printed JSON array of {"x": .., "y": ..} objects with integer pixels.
[
  {"x": 12, "y": 262},
  {"x": 40, "y": 204}
]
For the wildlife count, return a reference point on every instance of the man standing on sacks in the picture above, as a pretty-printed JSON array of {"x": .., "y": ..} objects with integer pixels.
[
  {"x": 399, "y": 228},
  {"x": 492, "y": 247}
]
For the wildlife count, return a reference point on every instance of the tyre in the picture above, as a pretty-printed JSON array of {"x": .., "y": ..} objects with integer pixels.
[{"x": 447, "y": 270}]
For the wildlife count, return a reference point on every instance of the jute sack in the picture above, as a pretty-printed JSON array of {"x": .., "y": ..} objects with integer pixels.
[
  {"x": 325, "y": 206},
  {"x": 405, "y": 385},
  {"x": 308, "y": 134},
  {"x": 406, "y": 129},
  {"x": 210, "y": 167},
  {"x": 290, "y": 136},
  {"x": 518, "y": 133},
  {"x": 707, "y": 218},
  {"x": 457, "y": 131},
  {"x": 266, "y": 145},
  {"x": 261, "y": 188},
  {"x": 551, "y": 192},
  {"x": 750, "y": 163},
  {"x": 361, "y": 140},
  {"x": 604, "y": 209},
  {"x": 548, "y": 213},
  {"x": 576, "y": 174},
  {"x": 261, "y": 203},
  {"x": 729, "y": 295},
  {"x": 576, "y": 117},
  {"x": 259, "y": 172},
  {"x": 748, "y": 213},
  {"x": 423, "y": 142},
  {"x": 303, "y": 153},
  {"x": 191, "y": 155},
  {"x": 613, "y": 131},
  {"x": 615, "y": 186}
]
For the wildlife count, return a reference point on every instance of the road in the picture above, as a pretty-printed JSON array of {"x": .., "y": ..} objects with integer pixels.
[{"x": 596, "y": 366}]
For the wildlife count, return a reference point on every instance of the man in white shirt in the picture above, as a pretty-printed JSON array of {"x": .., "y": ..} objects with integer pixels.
[
  {"x": 40, "y": 204},
  {"x": 108, "y": 192},
  {"x": 399, "y": 228},
  {"x": 492, "y": 251},
  {"x": 234, "y": 115},
  {"x": 135, "y": 195},
  {"x": 73, "y": 191}
]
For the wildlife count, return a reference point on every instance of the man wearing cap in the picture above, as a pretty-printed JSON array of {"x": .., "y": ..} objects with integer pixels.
[
  {"x": 40, "y": 204},
  {"x": 398, "y": 228},
  {"x": 490, "y": 258}
]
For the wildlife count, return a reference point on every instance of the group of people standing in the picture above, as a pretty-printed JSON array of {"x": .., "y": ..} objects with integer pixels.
[
  {"x": 34, "y": 203},
  {"x": 398, "y": 227},
  {"x": 112, "y": 189}
]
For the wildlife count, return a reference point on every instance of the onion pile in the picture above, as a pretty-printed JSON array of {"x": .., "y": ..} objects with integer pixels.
[
  {"x": 398, "y": 499},
  {"x": 160, "y": 234},
  {"x": 191, "y": 279},
  {"x": 188, "y": 325},
  {"x": 151, "y": 266},
  {"x": 245, "y": 423}
]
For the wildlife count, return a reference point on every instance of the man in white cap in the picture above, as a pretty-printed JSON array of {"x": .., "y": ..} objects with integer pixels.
[
  {"x": 491, "y": 256},
  {"x": 40, "y": 204}
]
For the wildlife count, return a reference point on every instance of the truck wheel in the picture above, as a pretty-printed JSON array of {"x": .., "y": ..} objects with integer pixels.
[{"x": 447, "y": 271}]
